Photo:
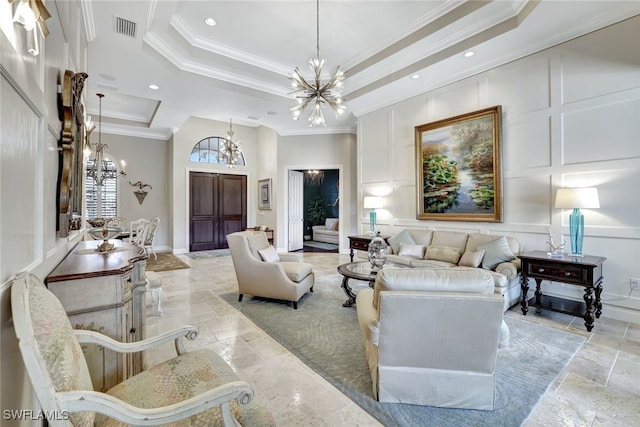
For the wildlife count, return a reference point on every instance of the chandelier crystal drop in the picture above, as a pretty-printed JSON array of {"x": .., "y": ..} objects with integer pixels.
[
  {"x": 99, "y": 170},
  {"x": 230, "y": 151},
  {"x": 315, "y": 93}
]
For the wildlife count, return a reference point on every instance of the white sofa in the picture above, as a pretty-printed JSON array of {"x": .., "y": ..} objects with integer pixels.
[
  {"x": 432, "y": 335},
  {"x": 420, "y": 248},
  {"x": 328, "y": 233}
]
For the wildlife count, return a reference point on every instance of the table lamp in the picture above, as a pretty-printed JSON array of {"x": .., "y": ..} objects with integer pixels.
[
  {"x": 576, "y": 198},
  {"x": 373, "y": 203}
]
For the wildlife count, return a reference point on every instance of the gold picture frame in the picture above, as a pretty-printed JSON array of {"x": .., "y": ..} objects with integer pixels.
[
  {"x": 264, "y": 193},
  {"x": 458, "y": 167}
]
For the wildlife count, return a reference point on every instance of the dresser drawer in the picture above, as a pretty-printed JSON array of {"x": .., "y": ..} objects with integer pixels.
[
  {"x": 360, "y": 244},
  {"x": 567, "y": 273}
]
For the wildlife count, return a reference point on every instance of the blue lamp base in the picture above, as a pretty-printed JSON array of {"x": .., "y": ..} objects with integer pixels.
[
  {"x": 372, "y": 220},
  {"x": 576, "y": 230}
]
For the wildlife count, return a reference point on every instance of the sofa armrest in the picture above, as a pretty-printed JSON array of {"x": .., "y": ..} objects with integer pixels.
[{"x": 510, "y": 268}]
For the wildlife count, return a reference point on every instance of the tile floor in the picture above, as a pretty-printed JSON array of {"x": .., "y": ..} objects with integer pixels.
[{"x": 601, "y": 386}]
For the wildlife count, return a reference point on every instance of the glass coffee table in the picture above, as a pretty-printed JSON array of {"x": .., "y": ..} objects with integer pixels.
[{"x": 360, "y": 271}]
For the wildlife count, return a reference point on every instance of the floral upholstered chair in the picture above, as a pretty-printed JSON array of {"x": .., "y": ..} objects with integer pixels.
[{"x": 193, "y": 388}]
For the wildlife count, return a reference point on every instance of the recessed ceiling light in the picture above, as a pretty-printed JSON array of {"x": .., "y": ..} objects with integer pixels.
[
  {"x": 415, "y": 76},
  {"x": 210, "y": 22},
  {"x": 272, "y": 113},
  {"x": 154, "y": 87},
  {"x": 469, "y": 54}
]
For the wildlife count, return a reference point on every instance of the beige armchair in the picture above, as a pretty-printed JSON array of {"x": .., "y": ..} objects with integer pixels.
[
  {"x": 432, "y": 336},
  {"x": 287, "y": 278}
]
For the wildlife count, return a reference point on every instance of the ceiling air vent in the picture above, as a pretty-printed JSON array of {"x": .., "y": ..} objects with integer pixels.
[{"x": 125, "y": 27}]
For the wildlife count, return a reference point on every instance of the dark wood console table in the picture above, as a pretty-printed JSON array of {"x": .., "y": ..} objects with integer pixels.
[
  {"x": 104, "y": 292},
  {"x": 361, "y": 243},
  {"x": 585, "y": 271}
]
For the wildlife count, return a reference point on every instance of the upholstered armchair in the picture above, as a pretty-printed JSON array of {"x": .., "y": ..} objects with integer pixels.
[
  {"x": 195, "y": 387},
  {"x": 432, "y": 336},
  {"x": 262, "y": 272}
]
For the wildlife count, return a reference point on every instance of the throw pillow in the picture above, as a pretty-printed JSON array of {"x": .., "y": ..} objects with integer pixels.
[
  {"x": 411, "y": 251},
  {"x": 335, "y": 226},
  {"x": 331, "y": 223},
  {"x": 471, "y": 258},
  {"x": 495, "y": 252},
  {"x": 443, "y": 253},
  {"x": 269, "y": 254},
  {"x": 402, "y": 237}
]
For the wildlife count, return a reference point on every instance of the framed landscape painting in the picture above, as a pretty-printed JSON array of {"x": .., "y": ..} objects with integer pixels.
[
  {"x": 458, "y": 167},
  {"x": 264, "y": 193}
]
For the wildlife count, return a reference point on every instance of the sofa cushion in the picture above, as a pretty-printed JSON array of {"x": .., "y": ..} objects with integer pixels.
[
  {"x": 429, "y": 263},
  {"x": 439, "y": 280},
  {"x": 496, "y": 252},
  {"x": 471, "y": 258},
  {"x": 453, "y": 239},
  {"x": 331, "y": 223},
  {"x": 421, "y": 237},
  {"x": 443, "y": 253},
  {"x": 477, "y": 239},
  {"x": 269, "y": 254},
  {"x": 401, "y": 237},
  {"x": 296, "y": 271},
  {"x": 411, "y": 251}
]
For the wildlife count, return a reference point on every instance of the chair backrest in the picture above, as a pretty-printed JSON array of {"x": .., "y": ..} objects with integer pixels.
[
  {"x": 151, "y": 230},
  {"x": 138, "y": 231},
  {"x": 50, "y": 350}
]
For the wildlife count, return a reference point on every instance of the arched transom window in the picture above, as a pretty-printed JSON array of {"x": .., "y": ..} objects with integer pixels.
[{"x": 208, "y": 151}]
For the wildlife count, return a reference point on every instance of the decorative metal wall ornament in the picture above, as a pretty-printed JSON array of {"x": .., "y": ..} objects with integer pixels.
[
  {"x": 316, "y": 92},
  {"x": 140, "y": 192},
  {"x": 230, "y": 150}
]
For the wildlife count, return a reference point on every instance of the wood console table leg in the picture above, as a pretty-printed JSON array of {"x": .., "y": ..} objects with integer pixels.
[
  {"x": 524, "y": 286},
  {"x": 351, "y": 254},
  {"x": 588, "y": 315},
  {"x": 598, "y": 301}
]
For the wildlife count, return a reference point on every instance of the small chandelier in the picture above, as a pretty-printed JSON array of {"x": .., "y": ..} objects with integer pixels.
[
  {"x": 313, "y": 177},
  {"x": 316, "y": 93},
  {"x": 230, "y": 150},
  {"x": 99, "y": 169}
]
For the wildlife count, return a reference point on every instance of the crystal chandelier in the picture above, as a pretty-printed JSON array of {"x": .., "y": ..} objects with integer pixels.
[
  {"x": 230, "y": 151},
  {"x": 99, "y": 169},
  {"x": 315, "y": 92}
]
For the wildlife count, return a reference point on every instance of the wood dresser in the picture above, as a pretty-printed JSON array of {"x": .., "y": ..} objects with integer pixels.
[{"x": 104, "y": 292}]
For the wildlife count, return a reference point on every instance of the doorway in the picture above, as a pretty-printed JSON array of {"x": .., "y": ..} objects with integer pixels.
[
  {"x": 321, "y": 189},
  {"x": 218, "y": 206}
]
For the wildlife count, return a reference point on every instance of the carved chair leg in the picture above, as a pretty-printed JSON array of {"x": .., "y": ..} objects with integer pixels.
[{"x": 311, "y": 289}]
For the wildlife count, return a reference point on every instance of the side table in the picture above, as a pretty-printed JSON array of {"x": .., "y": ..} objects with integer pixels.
[
  {"x": 583, "y": 271},
  {"x": 361, "y": 242}
]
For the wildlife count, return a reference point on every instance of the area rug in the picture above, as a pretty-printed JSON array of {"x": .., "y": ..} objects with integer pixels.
[
  {"x": 209, "y": 254},
  {"x": 327, "y": 337},
  {"x": 321, "y": 245},
  {"x": 165, "y": 262}
]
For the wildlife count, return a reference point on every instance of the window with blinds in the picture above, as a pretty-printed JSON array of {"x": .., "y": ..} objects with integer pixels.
[
  {"x": 108, "y": 194},
  {"x": 208, "y": 151}
]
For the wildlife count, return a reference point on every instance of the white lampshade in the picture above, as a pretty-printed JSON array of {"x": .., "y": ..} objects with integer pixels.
[
  {"x": 570, "y": 198},
  {"x": 372, "y": 202}
]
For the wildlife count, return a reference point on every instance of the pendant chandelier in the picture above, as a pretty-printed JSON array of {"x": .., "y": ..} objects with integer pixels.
[
  {"x": 230, "y": 151},
  {"x": 99, "y": 170},
  {"x": 315, "y": 93},
  {"x": 313, "y": 177}
]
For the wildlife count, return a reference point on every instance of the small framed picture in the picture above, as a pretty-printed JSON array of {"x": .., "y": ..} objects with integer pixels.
[{"x": 264, "y": 193}]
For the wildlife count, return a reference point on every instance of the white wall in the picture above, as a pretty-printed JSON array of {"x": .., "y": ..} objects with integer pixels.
[
  {"x": 318, "y": 152},
  {"x": 147, "y": 161},
  {"x": 29, "y": 131},
  {"x": 571, "y": 117}
]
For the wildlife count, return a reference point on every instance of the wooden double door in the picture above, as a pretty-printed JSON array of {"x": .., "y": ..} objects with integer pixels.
[{"x": 218, "y": 207}]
